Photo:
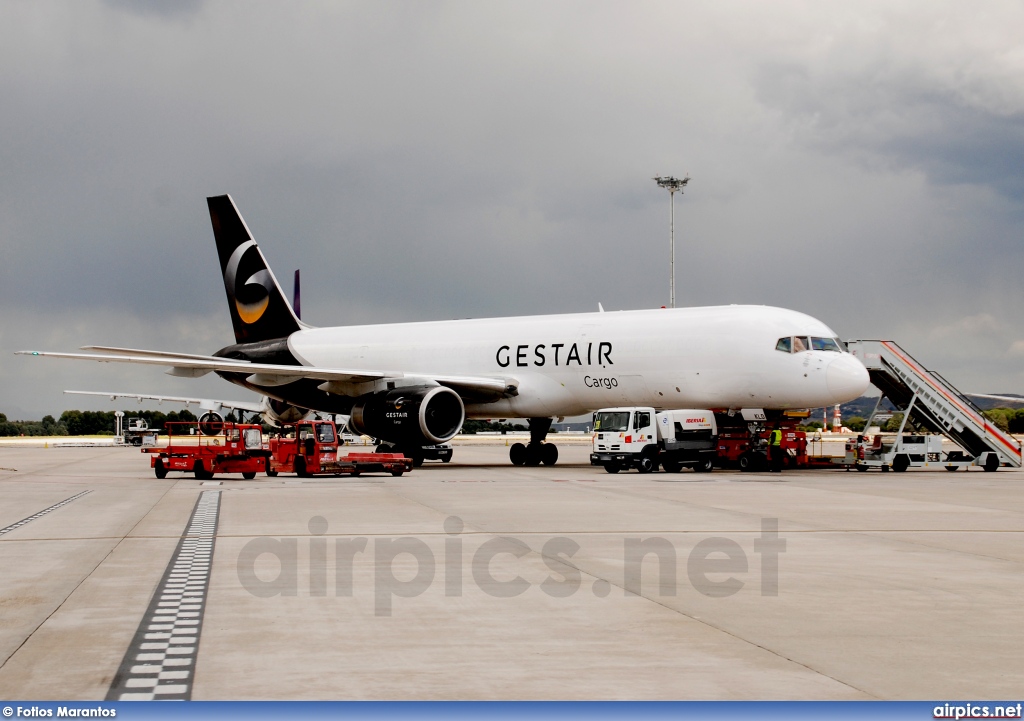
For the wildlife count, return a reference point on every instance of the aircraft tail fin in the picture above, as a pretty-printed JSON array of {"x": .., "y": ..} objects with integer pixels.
[{"x": 259, "y": 310}]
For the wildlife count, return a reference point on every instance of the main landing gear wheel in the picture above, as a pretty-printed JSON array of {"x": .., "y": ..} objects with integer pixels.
[
  {"x": 517, "y": 454},
  {"x": 533, "y": 456},
  {"x": 549, "y": 454}
]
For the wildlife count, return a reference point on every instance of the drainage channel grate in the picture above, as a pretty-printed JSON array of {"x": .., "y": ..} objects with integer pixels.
[
  {"x": 160, "y": 662},
  {"x": 54, "y": 507}
]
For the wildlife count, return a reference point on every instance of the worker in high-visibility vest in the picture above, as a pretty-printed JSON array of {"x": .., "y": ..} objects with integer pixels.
[{"x": 775, "y": 451}]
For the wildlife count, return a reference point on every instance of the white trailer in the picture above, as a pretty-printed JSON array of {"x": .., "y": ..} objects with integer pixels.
[{"x": 642, "y": 438}]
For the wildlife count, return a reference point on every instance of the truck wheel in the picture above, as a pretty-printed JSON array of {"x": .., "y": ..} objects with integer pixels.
[
  {"x": 705, "y": 466},
  {"x": 272, "y": 473},
  {"x": 901, "y": 463},
  {"x": 200, "y": 472},
  {"x": 549, "y": 454},
  {"x": 746, "y": 462},
  {"x": 300, "y": 467},
  {"x": 992, "y": 463},
  {"x": 160, "y": 470},
  {"x": 611, "y": 467},
  {"x": 397, "y": 472},
  {"x": 517, "y": 454},
  {"x": 951, "y": 468},
  {"x": 646, "y": 465},
  {"x": 249, "y": 475},
  {"x": 672, "y": 466},
  {"x": 861, "y": 467}
]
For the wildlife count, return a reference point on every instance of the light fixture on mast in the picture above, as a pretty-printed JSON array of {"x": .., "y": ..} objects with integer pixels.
[{"x": 672, "y": 184}]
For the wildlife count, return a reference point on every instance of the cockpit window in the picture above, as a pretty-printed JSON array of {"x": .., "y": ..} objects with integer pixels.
[
  {"x": 825, "y": 344},
  {"x": 800, "y": 343}
]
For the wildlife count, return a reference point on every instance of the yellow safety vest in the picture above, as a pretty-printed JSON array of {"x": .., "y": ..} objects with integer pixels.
[{"x": 775, "y": 439}]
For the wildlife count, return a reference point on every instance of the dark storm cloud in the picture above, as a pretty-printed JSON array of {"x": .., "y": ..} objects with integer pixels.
[
  {"x": 163, "y": 8},
  {"x": 901, "y": 121},
  {"x": 422, "y": 161}
]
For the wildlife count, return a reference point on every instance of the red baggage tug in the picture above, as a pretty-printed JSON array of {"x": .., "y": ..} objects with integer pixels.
[
  {"x": 208, "y": 448},
  {"x": 310, "y": 448},
  {"x": 307, "y": 448}
]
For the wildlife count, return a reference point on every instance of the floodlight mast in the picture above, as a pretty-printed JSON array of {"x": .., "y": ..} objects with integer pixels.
[{"x": 672, "y": 184}]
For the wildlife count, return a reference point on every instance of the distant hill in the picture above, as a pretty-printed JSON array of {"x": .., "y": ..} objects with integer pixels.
[{"x": 986, "y": 403}]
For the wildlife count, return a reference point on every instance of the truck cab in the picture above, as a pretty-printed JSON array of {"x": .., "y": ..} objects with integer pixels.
[
  {"x": 308, "y": 447},
  {"x": 643, "y": 438}
]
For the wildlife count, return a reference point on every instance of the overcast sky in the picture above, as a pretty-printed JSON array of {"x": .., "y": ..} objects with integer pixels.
[{"x": 862, "y": 162}]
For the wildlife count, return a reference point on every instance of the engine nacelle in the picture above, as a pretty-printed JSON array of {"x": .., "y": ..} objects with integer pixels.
[
  {"x": 416, "y": 416},
  {"x": 281, "y": 412},
  {"x": 211, "y": 423}
]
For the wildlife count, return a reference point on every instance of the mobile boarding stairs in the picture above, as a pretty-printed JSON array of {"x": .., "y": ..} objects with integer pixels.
[{"x": 938, "y": 406}]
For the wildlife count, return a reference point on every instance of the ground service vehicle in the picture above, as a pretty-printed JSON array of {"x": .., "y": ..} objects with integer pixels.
[
  {"x": 641, "y": 438},
  {"x": 208, "y": 448},
  {"x": 310, "y": 448},
  {"x": 136, "y": 432},
  {"x": 901, "y": 452},
  {"x": 438, "y": 452}
]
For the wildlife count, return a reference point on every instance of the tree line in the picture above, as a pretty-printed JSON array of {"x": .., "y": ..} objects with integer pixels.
[
  {"x": 1009, "y": 420},
  {"x": 88, "y": 423}
]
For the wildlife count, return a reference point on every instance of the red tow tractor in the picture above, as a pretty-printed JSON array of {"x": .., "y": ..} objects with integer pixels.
[
  {"x": 310, "y": 448},
  {"x": 210, "y": 447}
]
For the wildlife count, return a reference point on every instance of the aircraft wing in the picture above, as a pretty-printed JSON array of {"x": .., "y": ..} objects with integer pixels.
[
  {"x": 207, "y": 404},
  {"x": 150, "y": 353},
  {"x": 1014, "y": 399},
  {"x": 339, "y": 380}
]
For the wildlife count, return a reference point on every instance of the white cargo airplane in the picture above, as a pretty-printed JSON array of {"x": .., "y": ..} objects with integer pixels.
[{"x": 413, "y": 384}]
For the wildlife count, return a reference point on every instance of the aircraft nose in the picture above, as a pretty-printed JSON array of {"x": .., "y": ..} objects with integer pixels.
[{"x": 847, "y": 378}]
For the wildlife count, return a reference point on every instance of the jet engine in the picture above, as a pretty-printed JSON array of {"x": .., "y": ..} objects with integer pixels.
[
  {"x": 211, "y": 423},
  {"x": 414, "y": 416},
  {"x": 281, "y": 412}
]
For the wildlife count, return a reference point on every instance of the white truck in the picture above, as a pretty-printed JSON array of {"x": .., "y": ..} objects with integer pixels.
[{"x": 642, "y": 438}]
